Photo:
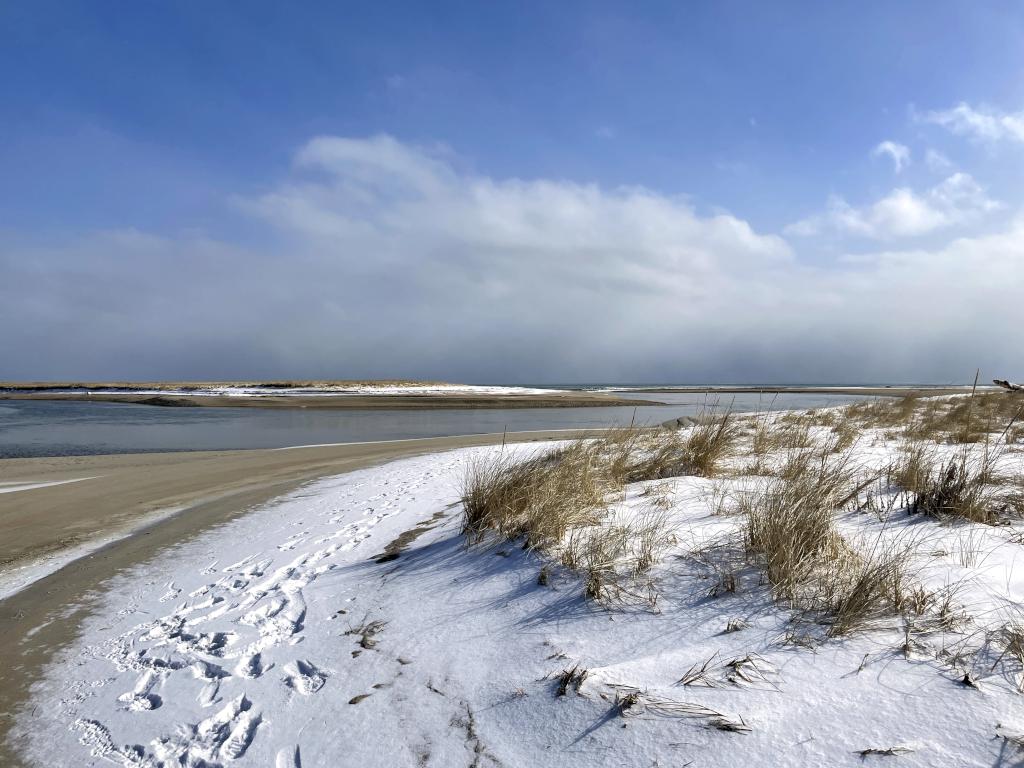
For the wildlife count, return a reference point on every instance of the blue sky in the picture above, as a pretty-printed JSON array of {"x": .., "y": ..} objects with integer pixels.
[{"x": 183, "y": 125}]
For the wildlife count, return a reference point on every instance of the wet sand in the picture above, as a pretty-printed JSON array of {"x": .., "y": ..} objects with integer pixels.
[{"x": 210, "y": 487}]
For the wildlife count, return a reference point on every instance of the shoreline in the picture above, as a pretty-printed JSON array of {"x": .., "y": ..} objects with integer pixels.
[
  {"x": 885, "y": 391},
  {"x": 209, "y": 489},
  {"x": 399, "y": 402},
  {"x": 90, "y": 501}
]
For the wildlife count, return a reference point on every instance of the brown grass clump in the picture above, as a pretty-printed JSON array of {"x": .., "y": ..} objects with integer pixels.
[
  {"x": 615, "y": 557},
  {"x": 913, "y": 470},
  {"x": 967, "y": 420},
  {"x": 844, "y": 435},
  {"x": 949, "y": 490},
  {"x": 865, "y": 586},
  {"x": 884, "y": 412},
  {"x": 765, "y": 438},
  {"x": 1009, "y": 639},
  {"x": 707, "y": 444},
  {"x": 790, "y": 524},
  {"x": 557, "y": 502},
  {"x": 789, "y": 432},
  {"x": 698, "y": 451},
  {"x": 790, "y": 530},
  {"x": 541, "y": 497},
  {"x": 958, "y": 487},
  {"x": 824, "y": 417},
  {"x": 545, "y": 496},
  {"x": 1015, "y": 435},
  {"x": 570, "y": 679}
]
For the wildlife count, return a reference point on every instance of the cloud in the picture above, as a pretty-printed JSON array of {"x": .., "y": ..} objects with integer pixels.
[
  {"x": 376, "y": 258},
  {"x": 898, "y": 153},
  {"x": 959, "y": 199},
  {"x": 981, "y": 124},
  {"x": 937, "y": 162}
]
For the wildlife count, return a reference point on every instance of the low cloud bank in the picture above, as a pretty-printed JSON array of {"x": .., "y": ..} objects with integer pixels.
[{"x": 382, "y": 259}]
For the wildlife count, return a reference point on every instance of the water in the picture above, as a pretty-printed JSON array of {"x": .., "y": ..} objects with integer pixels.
[{"x": 70, "y": 428}]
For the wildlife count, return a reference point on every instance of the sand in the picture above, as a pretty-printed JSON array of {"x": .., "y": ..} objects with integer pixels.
[
  {"x": 208, "y": 487},
  {"x": 890, "y": 391},
  {"x": 347, "y": 402}
]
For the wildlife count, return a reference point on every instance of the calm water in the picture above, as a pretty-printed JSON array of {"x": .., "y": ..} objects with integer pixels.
[{"x": 54, "y": 428}]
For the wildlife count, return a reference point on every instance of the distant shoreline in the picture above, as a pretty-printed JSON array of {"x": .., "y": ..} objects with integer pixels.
[
  {"x": 878, "y": 391},
  {"x": 344, "y": 401},
  {"x": 409, "y": 395},
  {"x": 320, "y": 394}
]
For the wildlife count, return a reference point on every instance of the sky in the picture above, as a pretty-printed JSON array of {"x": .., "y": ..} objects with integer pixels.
[{"x": 729, "y": 192}]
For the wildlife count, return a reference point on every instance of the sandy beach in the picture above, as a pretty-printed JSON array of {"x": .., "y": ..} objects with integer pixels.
[{"x": 122, "y": 494}]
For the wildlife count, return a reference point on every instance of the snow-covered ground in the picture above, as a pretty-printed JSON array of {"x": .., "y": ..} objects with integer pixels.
[{"x": 283, "y": 639}]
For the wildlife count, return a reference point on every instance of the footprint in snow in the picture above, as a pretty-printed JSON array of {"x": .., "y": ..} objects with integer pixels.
[
  {"x": 171, "y": 593},
  {"x": 304, "y": 678},
  {"x": 288, "y": 757},
  {"x": 251, "y": 666},
  {"x": 241, "y": 736},
  {"x": 227, "y": 733},
  {"x": 240, "y": 564},
  {"x": 139, "y": 699}
]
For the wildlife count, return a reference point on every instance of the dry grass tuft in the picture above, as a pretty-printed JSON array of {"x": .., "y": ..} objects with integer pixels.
[
  {"x": 616, "y": 557},
  {"x": 865, "y": 586},
  {"x": 957, "y": 487},
  {"x": 788, "y": 432},
  {"x": 967, "y": 420},
  {"x": 844, "y": 435},
  {"x": 541, "y": 498},
  {"x": 571, "y": 678},
  {"x": 1010, "y": 641},
  {"x": 884, "y": 413},
  {"x": 912, "y": 470},
  {"x": 558, "y": 502},
  {"x": 790, "y": 524},
  {"x": 698, "y": 451},
  {"x": 700, "y": 674},
  {"x": 790, "y": 530},
  {"x": 708, "y": 444}
]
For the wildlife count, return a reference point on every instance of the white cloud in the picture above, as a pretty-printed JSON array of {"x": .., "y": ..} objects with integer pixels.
[
  {"x": 981, "y": 124},
  {"x": 959, "y": 199},
  {"x": 377, "y": 258},
  {"x": 898, "y": 153},
  {"x": 937, "y": 162}
]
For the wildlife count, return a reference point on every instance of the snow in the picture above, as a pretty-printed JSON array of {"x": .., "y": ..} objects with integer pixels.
[
  {"x": 280, "y": 639},
  {"x": 15, "y": 578},
  {"x": 12, "y": 487}
]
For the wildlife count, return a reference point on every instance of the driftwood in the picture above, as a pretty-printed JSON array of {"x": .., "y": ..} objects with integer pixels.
[{"x": 1008, "y": 385}]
